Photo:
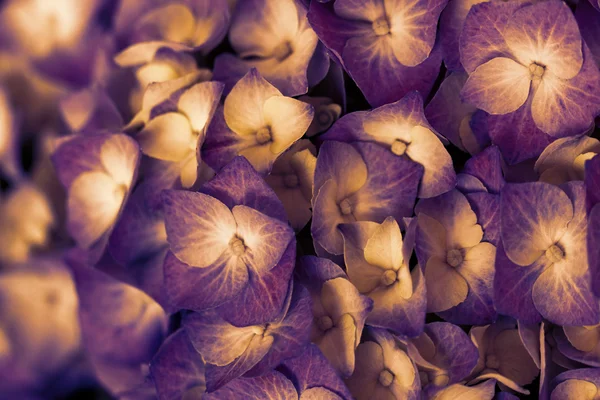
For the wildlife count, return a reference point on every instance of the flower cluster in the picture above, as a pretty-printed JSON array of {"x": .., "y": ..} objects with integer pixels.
[{"x": 300, "y": 199}]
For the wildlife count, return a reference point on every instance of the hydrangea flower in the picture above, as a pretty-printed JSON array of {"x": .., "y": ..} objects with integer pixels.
[
  {"x": 502, "y": 355},
  {"x": 231, "y": 351},
  {"x": 543, "y": 255},
  {"x": 444, "y": 355},
  {"x": 564, "y": 159},
  {"x": 265, "y": 268},
  {"x": 26, "y": 218},
  {"x": 387, "y": 47},
  {"x": 197, "y": 24},
  {"x": 402, "y": 128},
  {"x": 217, "y": 248},
  {"x": 527, "y": 76},
  {"x": 359, "y": 182},
  {"x": 292, "y": 179},
  {"x": 458, "y": 265},
  {"x": 39, "y": 333},
  {"x": 176, "y": 126},
  {"x": 98, "y": 172},
  {"x": 274, "y": 37},
  {"x": 257, "y": 122},
  {"x": 377, "y": 263},
  {"x": 383, "y": 370},
  {"x": 339, "y": 311}
]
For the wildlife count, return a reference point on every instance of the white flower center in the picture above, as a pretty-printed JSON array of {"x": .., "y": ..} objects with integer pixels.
[
  {"x": 345, "y": 207},
  {"x": 381, "y": 27},
  {"x": 237, "y": 246},
  {"x": 291, "y": 181},
  {"x": 454, "y": 258},
  {"x": 555, "y": 253},
  {"x": 386, "y": 378},
  {"x": 389, "y": 277},
  {"x": 398, "y": 147},
  {"x": 537, "y": 71},
  {"x": 325, "y": 323},
  {"x": 282, "y": 51},
  {"x": 263, "y": 135}
]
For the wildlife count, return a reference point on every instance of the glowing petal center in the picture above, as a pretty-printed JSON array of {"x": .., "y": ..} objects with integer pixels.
[
  {"x": 381, "y": 27},
  {"x": 237, "y": 246},
  {"x": 345, "y": 207},
  {"x": 555, "y": 253},
  {"x": 325, "y": 323},
  {"x": 263, "y": 135},
  {"x": 398, "y": 147},
  {"x": 386, "y": 378},
  {"x": 282, "y": 51},
  {"x": 440, "y": 380},
  {"x": 389, "y": 277},
  {"x": 537, "y": 71},
  {"x": 491, "y": 361},
  {"x": 454, "y": 258}
]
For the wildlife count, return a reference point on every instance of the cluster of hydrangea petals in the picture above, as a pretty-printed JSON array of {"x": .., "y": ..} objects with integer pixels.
[{"x": 300, "y": 199}]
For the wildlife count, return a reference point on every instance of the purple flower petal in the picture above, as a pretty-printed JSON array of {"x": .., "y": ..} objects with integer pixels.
[
  {"x": 564, "y": 159},
  {"x": 446, "y": 112},
  {"x": 568, "y": 279},
  {"x": 534, "y": 217},
  {"x": 533, "y": 34},
  {"x": 482, "y": 37},
  {"x": 239, "y": 184},
  {"x": 228, "y": 350},
  {"x": 517, "y": 135},
  {"x": 265, "y": 295},
  {"x": 487, "y": 208},
  {"x": 587, "y": 19},
  {"x": 451, "y": 24},
  {"x": 177, "y": 368},
  {"x": 567, "y": 107},
  {"x": 122, "y": 327},
  {"x": 487, "y": 167},
  {"x": 500, "y": 86},
  {"x": 272, "y": 386},
  {"x": 593, "y": 247},
  {"x": 310, "y": 370},
  {"x": 453, "y": 352},
  {"x": 291, "y": 334},
  {"x": 581, "y": 383},
  {"x": 98, "y": 172},
  {"x": 513, "y": 288}
]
